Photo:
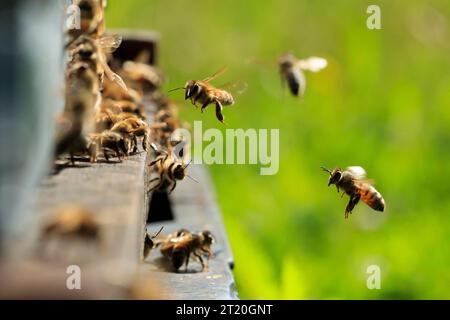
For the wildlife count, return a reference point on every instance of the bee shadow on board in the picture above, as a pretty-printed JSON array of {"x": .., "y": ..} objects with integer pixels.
[{"x": 163, "y": 264}]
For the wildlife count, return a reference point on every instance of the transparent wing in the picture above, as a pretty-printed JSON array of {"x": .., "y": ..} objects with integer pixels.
[
  {"x": 357, "y": 172},
  {"x": 313, "y": 64},
  {"x": 215, "y": 75},
  {"x": 110, "y": 43},
  {"x": 235, "y": 87}
]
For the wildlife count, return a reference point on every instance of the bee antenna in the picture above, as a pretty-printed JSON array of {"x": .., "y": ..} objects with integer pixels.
[
  {"x": 327, "y": 170},
  {"x": 188, "y": 164},
  {"x": 157, "y": 234},
  {"x": 192, "y": 178},
  {"x": 176, "y": 89}
]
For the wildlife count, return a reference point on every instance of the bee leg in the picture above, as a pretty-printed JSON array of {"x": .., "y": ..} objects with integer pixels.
[
  {"x": 208, "y": 252},
  {"x": 135, "y": 143},
  {"x": 116, "y": 149},
  {"x": 187, "y": 260},
  {"x": 156, "y": 186},
  {"x": 219, "y": 109},
  {"x": 145, "y": 142},
  {"x": 199, "y": 257},
  {"x": 173, "y": 187},
  {"x": 205, "y": 105},
  {"x": 155, "y": 162},
  {"x": 342, "y": 194},
  {"x": 72, "y": 159},
  {"x": 351, "y": 204},
  {"x": 105, "y": 153}
]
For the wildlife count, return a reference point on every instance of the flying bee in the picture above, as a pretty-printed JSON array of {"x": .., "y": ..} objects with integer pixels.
[
  {"x": 149, "y": 243},
  {"x": 169, "y": 170},
  {"x": 291, "y": 71},
  {"x": 201, "y": 91},
  {"x": 353, "y": 182},
  {"x": 108, "y": 141},
  {"x": 178, "y": 248}
]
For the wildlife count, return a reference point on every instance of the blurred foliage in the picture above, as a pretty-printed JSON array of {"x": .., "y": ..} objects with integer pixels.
[{"x": 383, "y": 103}]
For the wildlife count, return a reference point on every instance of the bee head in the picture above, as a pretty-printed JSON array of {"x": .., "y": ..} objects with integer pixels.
[
  {"x": 192, "y": 89},
  {"x": 286, "y": 61},
  {"x": 179, "y": 172},
  {"x": 335, "y": 175},
  {"x": 208, "y": 238}
]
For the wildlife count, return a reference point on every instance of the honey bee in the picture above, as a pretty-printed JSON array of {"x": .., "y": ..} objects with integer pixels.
[
  {"x": 107, "y": 141},
  {"x": 132, "y": 128},
  {"x": 96, "y": 50},
  {"x": 148, "y": 242},
  {"x": 179, "y": 246},
  {"x": 77, "y": 118},
  {"x": 118, "y": 106},
  {"x": 91, "y": 17},
  {"x": 146, "y": 77},
  {"x": 72, "y": 221},
  {"x": 169, "y": 170},
  {"x": 201, "y": 91},
  {"x": 353, "y": 182},
  {"x": 291, "y": 71}
]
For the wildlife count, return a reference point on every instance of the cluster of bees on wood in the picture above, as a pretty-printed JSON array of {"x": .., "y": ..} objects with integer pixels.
[
  {"x": 104, "y": 116},
  {"x": 104, "y": 113}
]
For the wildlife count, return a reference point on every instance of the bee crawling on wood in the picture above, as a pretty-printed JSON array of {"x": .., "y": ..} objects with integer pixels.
[
  {"x": 201, "y": 91},
  {"x": 179, "y": 246},
  {"x": 132, "y": 128},
  {"x": 353, "y": 182},
  {"x": 149, "y": 243},
  {"x": 291, "y": 71},
  {"x": 107, "y": 141},
  {"x": 169, "y": 170}
]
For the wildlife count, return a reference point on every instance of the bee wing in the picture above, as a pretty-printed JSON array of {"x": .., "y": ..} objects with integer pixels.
[
  {"x": 235, "y": 87},
  {"x": 313, "y": 64},
  {"x": 216, "y": 74},
  {"x": 110, "y": 43},
  {"x": 112, "y": 76},
  {"x": 357, "y": 172}
]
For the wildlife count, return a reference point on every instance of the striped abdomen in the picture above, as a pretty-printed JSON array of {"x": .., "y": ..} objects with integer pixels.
[
  {"x": 371, "y": 197},
  {"x": 224, "y": 97}
]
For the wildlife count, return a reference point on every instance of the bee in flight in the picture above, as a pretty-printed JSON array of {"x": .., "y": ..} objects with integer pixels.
[
  {"x": 353, "y": 182},
  {"x": 201, "y": 91},
  {"x": 291, "y": 71}
]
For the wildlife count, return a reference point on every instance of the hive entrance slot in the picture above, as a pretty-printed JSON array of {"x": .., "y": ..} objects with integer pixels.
[{"x": 160, "y": 208}]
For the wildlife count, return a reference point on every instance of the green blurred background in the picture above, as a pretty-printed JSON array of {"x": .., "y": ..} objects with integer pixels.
[{"x": 382, "y": 103}]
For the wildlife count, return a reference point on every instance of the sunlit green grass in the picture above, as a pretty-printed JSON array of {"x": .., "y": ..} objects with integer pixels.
[{"x": 382, "y": 103}]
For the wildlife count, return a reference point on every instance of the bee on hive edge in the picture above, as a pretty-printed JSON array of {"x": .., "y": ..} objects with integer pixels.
[
  {"x": 353, "y": 182},
  {"x": 107, "y": 141},
  {"x": 169, "y": 170},
  {"x": 291, "y": 71},
  {"x": 179, "y": 246},
  {"x": 201, "y": 91}
]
